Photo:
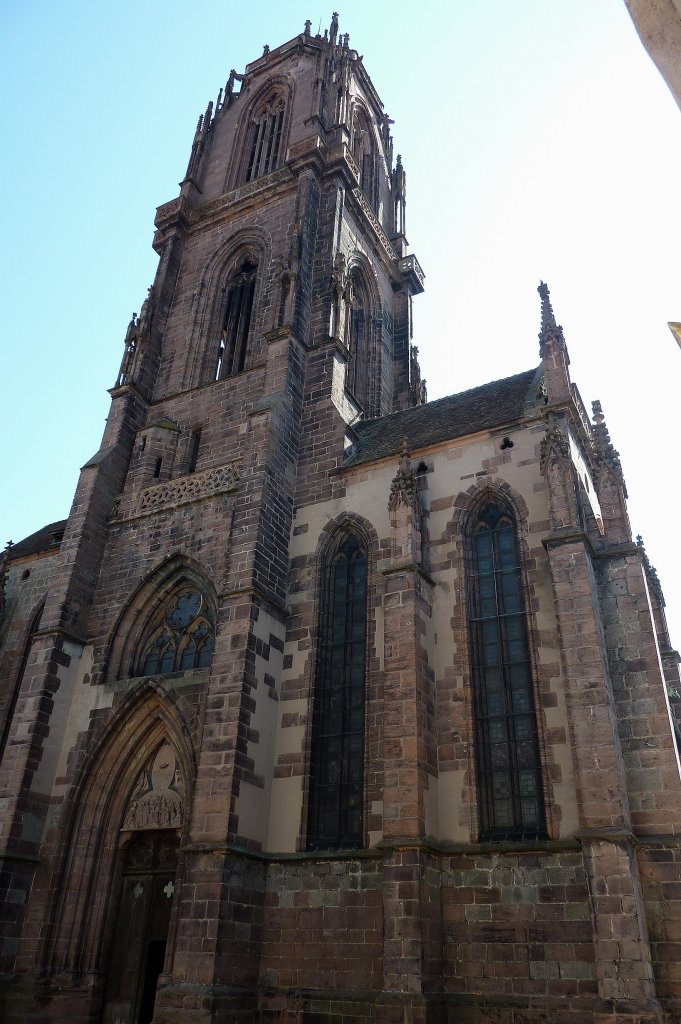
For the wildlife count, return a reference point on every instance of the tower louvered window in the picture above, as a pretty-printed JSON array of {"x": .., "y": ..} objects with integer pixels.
[
  {"x": 181, "y": 637},
  {"x": 265, "y": 141},
  {"x": 336, "y": 794},
  {"x": 510, "y": 797},
  {"x": 233, "y": 345}
]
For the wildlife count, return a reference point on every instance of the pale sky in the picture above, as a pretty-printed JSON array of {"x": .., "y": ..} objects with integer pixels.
[{"x": 539, "y": 143}]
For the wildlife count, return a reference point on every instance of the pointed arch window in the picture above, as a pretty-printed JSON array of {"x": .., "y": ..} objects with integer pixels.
[
  {"x": 233, "y": 347},
  {"x": 510, "y": 798},
  {"x": 264, "y": 142},
  {"x": 181, "y": 637},
  {"x": 336, "y": 793}
]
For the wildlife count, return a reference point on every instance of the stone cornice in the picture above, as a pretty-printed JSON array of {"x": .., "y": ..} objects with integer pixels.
[
  {"x": 401, "y": 568},
  {"x": 260, "y": 595},
  {"x": 570, "y": 536},
  {"x": 177, "y": 210},
  {"x": 372, "y": 219}
]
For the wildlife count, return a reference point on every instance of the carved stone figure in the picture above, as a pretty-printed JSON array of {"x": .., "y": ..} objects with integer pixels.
[{"x": 158, "y": 799}]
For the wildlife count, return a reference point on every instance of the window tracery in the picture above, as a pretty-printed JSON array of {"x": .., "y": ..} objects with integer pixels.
[
  {"x": 336, "y": 793},
  {"x": 510, "y": 798},
  {"x": 264, "y": 143},
  {"x": 183, "y": 636}
]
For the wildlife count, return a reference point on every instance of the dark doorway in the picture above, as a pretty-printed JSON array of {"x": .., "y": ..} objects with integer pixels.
[
  {"x": 148, "y": 869},
  {"x": 156, "y": 952}
]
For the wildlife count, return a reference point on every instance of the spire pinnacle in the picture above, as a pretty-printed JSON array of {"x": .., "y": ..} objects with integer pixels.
[
  {"x": 605, "y": 449},
  {"x": 550, "y": 330}
]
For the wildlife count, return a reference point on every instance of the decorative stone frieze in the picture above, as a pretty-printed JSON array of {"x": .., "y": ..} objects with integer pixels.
[{"x": 186, "y": 489}]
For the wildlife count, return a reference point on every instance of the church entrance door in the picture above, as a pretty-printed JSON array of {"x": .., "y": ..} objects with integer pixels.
[{"x": 139, "y": 944}]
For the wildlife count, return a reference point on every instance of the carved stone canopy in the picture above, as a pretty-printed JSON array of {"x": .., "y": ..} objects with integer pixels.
[
  {"x": 158, "y": 799},
  {"x": 554, "y": 445},
  {"x": 403, "y": 489}
]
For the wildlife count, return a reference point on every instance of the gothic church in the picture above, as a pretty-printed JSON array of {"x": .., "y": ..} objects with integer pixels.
[{"x": 329, "y": 705}]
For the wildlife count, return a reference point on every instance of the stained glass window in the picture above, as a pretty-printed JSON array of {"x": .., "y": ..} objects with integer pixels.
[
  {"x": 510, "y": 794},
  {"x": 336, "y": 796},
  {"x": 183, "y": 639}
]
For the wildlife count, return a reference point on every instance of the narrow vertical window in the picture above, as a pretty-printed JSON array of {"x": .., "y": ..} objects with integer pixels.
[
  {"x": 336, "y": 796},
  {"x": 510, "y": 798},
  {"x": 364, "y": 154},
  {"x": 265, "y": 140},
  {"x": 357, "y": 342},
  {"x": 194, "y": 445},
  {"x": 233, "y": 345}
]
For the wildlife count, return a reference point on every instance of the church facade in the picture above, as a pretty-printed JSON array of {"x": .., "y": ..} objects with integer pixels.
[{"x": 327, "y": 703}]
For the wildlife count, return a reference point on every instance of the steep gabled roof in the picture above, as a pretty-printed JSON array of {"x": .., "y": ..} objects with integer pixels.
[
  {"x": 42, "y": 540},
  {"x": 483, "y": 408}
]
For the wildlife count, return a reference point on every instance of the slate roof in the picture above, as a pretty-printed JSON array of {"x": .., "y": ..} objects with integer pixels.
[
  {"x": 482, "y": 408},
  {"x": 41, "y": 540}
]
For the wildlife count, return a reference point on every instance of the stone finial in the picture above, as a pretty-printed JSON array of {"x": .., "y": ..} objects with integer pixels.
[
  {"x": 333, "y": 31},
  {"x": 144, "y": 319},
  {"x": 550, "y": 330},
  {"x": 604, "y": 448},
  {"x": 403, "y": 489},
  {"x": 308, "y": 26},
  {"x": 652, "y": 578}
]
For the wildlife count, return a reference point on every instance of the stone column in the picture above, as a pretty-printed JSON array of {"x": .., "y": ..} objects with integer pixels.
[
  {"x": 623, "y": 960},
  {"x": 408, "y": 755}
]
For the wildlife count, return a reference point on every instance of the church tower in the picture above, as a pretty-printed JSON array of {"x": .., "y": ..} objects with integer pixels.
[
  {"x": 280, "y": 315},
  {"x": 328, "y": 704}
]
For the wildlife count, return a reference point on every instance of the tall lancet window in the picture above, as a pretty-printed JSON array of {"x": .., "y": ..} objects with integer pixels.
[
  {"x": 233, "y": 345},
  {"x": 336, "y": 793},
  {"x": 264, "y": 141},
  {"x": 357, "y": 373},
  {"x": 510, "y": 797}
]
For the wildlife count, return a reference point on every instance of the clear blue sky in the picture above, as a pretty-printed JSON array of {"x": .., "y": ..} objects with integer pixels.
[{"x": 539, "y": 142}]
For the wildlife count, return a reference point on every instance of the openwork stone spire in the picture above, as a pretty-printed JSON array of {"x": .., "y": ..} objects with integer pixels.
[{"x": 550, "y": 330}]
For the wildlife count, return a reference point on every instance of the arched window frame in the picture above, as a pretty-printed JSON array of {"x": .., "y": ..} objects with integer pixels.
[
  {"x": 265, "y": 138},
  {"x": 510, "y": 793},
  {"x": 336, "y": 793},
  {"x": 31, "y": 630},
  {"x": 236, "y": 317},
  {"x": 176, "y": 640}
]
